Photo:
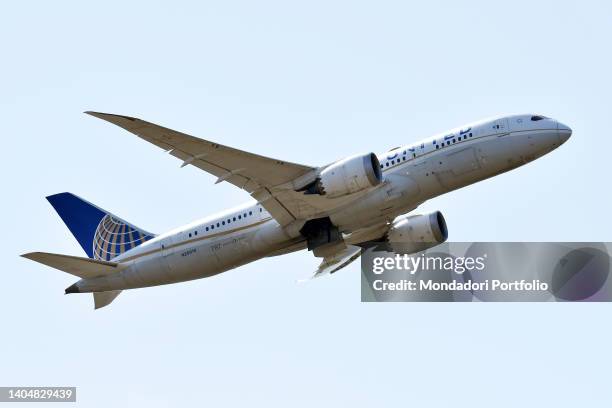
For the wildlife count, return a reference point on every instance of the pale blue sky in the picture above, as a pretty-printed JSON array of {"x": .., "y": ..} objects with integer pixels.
[{"x": 310, "y": 83}]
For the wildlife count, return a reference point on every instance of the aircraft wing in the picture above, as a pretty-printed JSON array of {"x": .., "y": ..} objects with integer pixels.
[
  {"x": 336, "y": 261},
  {"x": 258, "y": 175}
]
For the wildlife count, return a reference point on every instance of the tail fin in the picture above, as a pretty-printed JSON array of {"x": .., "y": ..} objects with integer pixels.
[{"x": 101, "y": 234}]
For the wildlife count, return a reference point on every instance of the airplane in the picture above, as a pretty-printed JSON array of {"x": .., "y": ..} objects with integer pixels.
[{"x": 333, "y": 211}]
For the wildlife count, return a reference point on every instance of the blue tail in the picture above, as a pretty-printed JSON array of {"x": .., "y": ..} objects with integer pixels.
[{"x": 101, "y": 234}]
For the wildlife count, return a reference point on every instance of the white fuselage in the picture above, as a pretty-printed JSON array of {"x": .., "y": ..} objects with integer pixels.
[{"x": 412, "y": 175}]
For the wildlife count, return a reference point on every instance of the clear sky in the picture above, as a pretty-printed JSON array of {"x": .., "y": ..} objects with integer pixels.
[{"x": 308, "y": 82}]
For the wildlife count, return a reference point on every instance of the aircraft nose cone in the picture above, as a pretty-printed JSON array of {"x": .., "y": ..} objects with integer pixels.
[{"x": 564, "y": 131}]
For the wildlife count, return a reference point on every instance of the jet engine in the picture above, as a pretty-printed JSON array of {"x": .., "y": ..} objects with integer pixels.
[
  {"x": 347, "y": 176},
  {"x": 417, "y": 233}
]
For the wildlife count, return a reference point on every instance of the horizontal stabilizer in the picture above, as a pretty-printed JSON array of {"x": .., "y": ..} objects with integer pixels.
[
  {"x": 102, "y": 299},
  {"x": 75, "y": 265}
]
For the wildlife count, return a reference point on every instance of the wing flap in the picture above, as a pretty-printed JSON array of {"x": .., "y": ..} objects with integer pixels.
[{"x": 333, "y": 263}]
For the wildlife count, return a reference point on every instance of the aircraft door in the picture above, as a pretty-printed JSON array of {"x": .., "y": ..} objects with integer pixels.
[
  {"x": 166, "y": 255},
  {"x": 500, "y": 126}
]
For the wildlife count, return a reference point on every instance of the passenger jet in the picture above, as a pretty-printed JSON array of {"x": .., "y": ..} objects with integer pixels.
[{"x": 333, "y": 210}]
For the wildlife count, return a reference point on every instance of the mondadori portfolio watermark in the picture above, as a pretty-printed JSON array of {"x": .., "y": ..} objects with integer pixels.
[{"x": 481, "y": 271}]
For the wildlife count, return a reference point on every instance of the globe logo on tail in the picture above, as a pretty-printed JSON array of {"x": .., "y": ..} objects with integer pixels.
[{"x": 113, "y": 237}]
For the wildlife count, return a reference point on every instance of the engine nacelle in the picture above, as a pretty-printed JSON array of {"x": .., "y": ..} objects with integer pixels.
[
  {"x": 348, "y": 176},
  {"x": 417, "y": 233}
]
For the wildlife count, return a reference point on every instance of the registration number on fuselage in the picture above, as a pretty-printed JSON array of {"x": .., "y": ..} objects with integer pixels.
[{"x": 188, "y": 252}]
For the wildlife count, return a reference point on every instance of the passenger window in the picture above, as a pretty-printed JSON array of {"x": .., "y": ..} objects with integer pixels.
[
  {"x": 250, "y": 212},
  {"x": 206, "y": 228}
]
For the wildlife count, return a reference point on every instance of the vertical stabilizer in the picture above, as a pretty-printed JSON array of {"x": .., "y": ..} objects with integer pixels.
[{"x": 101, "y": 234}]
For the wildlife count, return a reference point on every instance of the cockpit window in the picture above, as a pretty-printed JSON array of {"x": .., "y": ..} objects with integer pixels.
[{"x": 535, "y": 118}]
